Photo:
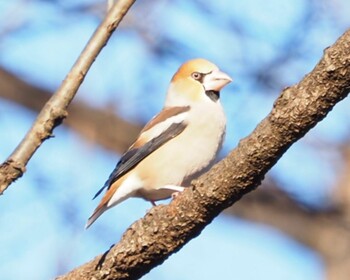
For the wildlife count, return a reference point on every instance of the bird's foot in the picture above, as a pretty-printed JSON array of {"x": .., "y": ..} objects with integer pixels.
[
  {"x": 177, "y": 190},
  {"x": 175, "y": 194}
]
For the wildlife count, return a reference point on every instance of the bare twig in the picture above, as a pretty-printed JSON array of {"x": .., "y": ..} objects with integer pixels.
[
  {"x": 166, "y": 228},
  {"x": 55, "y": 110}
]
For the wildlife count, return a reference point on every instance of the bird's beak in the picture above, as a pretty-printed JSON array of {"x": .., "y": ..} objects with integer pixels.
[{"x": 216, "y": 80}]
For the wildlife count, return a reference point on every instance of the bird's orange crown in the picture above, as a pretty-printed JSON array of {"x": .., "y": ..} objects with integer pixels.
[{"x": 194, "y": 65}]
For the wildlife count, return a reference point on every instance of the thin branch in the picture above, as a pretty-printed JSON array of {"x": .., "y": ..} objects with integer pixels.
[
  {"x": 55, "y": 110},
  {"x": 166, "y": 228}
]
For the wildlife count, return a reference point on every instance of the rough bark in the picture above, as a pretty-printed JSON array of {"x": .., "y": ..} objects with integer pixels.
[
  {"x": 55, "y": 110},
  {"x": 166, "y": 228}
]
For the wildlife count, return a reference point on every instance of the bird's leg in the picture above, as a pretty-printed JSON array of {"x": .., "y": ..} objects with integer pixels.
[
  {"x": 153, "y": 203},
  {"x": 174, "y": 194}
]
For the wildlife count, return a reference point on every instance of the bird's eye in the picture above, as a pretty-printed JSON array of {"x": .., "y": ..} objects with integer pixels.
[{"x": 196, "y": 75}]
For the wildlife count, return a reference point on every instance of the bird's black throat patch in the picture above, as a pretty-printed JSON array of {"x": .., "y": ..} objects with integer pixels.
[{"x": 213, "y": 95}]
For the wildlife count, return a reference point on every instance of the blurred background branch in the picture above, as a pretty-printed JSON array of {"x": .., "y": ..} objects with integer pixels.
[{"x": 93, "y": 124}]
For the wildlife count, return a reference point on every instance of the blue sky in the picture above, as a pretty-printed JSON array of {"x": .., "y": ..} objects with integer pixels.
[{"x": 66, "y": 172}]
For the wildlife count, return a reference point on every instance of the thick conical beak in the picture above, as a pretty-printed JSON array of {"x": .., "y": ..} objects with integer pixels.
[{"x": 216, "y": 80}]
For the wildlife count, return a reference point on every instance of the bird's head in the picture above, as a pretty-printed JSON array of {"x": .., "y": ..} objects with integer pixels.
[{"x": 196, "y": 79}]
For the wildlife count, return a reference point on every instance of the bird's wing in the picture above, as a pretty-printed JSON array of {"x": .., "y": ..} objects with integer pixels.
[{"x": 162, "y": 128}]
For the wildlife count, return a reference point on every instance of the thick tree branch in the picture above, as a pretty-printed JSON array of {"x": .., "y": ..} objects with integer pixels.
[
  {"x": 316, "y": 229},
  {"x": 93, "y": 124},
  {"x": 55, "y": 110},
  {"x": 166, "y": 228}
]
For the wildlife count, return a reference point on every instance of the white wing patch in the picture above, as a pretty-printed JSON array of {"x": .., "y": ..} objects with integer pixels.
[{"x": 162, "y": 126}]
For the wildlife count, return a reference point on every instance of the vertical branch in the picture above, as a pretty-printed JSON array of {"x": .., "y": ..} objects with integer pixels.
[{"x": 55, "y": 110}]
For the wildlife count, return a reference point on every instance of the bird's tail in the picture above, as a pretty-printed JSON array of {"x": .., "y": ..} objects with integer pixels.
[
  {"x": 110, "y": 199},
  {"x": 97, "y": 213}
]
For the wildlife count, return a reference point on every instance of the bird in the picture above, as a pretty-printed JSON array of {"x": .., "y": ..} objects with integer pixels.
[{"x": 176, "y": 145}]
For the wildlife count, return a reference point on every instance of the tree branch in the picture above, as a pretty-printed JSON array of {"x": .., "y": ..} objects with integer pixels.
[
  {"x": 55, "y": 110},
  {"x": 166, "y": 228}
]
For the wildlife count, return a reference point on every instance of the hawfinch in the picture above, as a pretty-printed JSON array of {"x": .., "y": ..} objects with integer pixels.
[{"x": 177, "y": 144}]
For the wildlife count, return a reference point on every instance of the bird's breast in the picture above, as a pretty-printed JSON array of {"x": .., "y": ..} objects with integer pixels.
[{"x": 189, "y": 153}]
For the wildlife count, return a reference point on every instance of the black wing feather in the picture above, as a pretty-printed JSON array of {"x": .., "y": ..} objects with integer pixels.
[{"x": 134, "y": 156}]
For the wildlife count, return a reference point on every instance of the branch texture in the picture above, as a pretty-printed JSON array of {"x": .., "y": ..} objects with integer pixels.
[
  {"x": 166, "y": 228},
  {"x": 55, "y": 110}
]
